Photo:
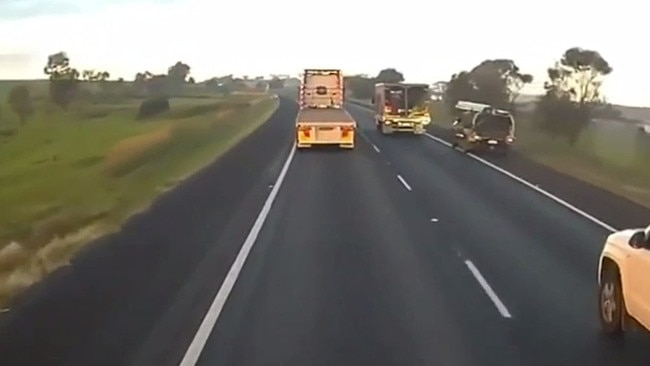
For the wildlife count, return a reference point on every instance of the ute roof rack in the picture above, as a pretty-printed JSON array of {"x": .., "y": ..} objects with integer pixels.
[{"x": 478, "y": 107}]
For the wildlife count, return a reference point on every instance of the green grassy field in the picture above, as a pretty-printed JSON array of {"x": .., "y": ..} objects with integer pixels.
[{"x": 67, "y": 177}]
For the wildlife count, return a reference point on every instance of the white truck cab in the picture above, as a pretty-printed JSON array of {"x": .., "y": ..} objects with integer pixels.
[{"x": 624, "y": 281}]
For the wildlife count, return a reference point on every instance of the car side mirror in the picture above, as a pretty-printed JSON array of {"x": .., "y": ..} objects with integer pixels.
[{"x": 638, "y": 240}]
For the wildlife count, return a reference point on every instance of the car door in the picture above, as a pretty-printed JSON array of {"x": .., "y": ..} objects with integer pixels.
[{"x": 639, "y": 285}]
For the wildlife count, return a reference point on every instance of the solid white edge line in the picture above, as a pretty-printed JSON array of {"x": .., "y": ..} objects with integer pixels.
[
  {"x": 200, "y": 338},
  {"x": 501, "y": 307},
  {"x": 437, "y": 139},
  {"x": 404, "y": 183},
  {"x": 375, "y": 147},
  {"x": 533, "y": 187}
]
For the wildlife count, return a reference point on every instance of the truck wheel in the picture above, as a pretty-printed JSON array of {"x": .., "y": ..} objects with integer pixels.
[
  {"x": 610, "y": 303},
  {"x": 386, "y": 130}
]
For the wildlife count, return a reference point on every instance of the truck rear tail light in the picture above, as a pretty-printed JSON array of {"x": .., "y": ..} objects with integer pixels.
[
  {"x": 306, "y": 131},
  {"x": 345, "y": 131}
]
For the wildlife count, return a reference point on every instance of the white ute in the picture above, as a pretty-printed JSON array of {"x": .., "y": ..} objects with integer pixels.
[{"x": 624, "y": 281}]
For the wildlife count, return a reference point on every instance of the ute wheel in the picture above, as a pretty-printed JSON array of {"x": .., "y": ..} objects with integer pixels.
[{"x": 611, "y": 306}]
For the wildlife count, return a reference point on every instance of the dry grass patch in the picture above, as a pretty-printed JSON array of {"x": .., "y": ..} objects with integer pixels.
[
  {"x": 67, "y": 181},
  {"x": 131, "y": 152}
]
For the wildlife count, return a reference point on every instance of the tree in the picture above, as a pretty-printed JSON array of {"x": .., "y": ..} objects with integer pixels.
[
  {"x": 177, "y": 77},
  {"x": 178, "y": 73},
  {"x": 191, "y": 80},
  {"x": 360, "y": 86},
  {"x": 389, "y": 75},
  {"x": 154, "y": 85},
  {"x": 502, "y": 76},
  {"x": 276, "y": 83},
  {"x": 92, "y": 75},
  {"x": 20, "y": 102},
  {"x": 496, "y": 82},
  {"x": 63, "y": 79},
  {"x": 459, "y": 87},
  {"x": 573, "y": 93},
  {"x": 579, "y": 75}
]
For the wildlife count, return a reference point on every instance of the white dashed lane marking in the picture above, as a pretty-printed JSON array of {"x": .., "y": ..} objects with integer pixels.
[{"x": 404, "y": 183}]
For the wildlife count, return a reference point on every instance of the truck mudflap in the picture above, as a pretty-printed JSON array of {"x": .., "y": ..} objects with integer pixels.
[{"x": 310, "y": 134}]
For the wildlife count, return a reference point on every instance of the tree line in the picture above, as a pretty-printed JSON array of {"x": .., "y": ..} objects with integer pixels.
[
  {"x": 65, "y": 87},
  {"x": 363, "y": 86},
  {"x": 572, "y": 90}
]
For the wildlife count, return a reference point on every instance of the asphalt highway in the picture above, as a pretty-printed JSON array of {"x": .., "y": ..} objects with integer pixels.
[
  {"x": 399, "y": 252},
  {"x": 405, "y": 252}
]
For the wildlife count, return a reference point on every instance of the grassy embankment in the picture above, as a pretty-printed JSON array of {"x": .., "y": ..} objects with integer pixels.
[
  {"x": 68, "y": 177},
  {"x": 614, "y": 158}
]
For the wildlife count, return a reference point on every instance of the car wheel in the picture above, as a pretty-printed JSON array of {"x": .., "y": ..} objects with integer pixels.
[{"x": 611, "y": 304}]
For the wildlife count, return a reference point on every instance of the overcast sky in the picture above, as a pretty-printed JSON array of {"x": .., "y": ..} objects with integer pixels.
[{"x": 426, "y": 40}]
